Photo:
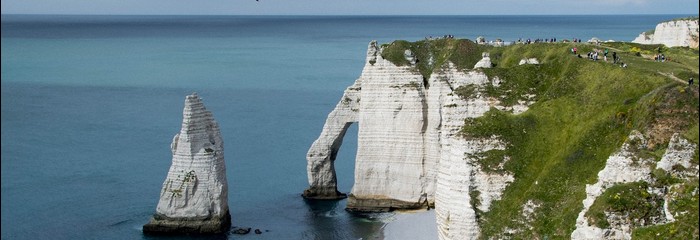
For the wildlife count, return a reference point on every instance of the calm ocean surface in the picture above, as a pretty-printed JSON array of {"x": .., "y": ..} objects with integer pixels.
[{"x": 91, "y": 103}]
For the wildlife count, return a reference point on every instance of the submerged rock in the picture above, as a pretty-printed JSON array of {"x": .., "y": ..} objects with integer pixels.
[
  {"x": 194, "y": 197},
  {"x": 242, "y": 231}
]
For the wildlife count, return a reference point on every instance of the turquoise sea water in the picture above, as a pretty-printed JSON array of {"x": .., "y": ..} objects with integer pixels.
[{"x": 91, "y": 103}]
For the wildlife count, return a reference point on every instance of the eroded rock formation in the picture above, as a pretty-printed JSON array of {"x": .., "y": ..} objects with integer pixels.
[
  {"x": 389, "y": 103},
  {"x": 625, "y": 166},
  {"x": 676, "y": 33},
  {"x": 194, "y": 197},
  {"x": 409, "y": 154}
]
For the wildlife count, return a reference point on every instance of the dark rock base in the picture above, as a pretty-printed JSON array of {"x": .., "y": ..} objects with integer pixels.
[
  {"x": 382, "y": 205},
  {"x": 159, "y": 225},
  {"x": 323, "y": 194}
]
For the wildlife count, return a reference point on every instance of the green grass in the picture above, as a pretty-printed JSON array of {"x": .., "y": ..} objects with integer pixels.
[
  {"x": 685, "y": 18},
  {"x": 682, "y": 64},
  {"x": 685, "y": 203},
  {"x": 583, "y": 112},
  {"x": 631, "y": 200},
  {"x": 490, "y": 161},
  {"x": 468, "y": 91},
  {"x": 671, "y": 108},
  {"x": 433, "y": 54}
]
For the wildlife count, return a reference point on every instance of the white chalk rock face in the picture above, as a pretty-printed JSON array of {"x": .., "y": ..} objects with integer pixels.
[
  {"x": 644, "y": 38},
  {"x": 676, "y": 33},
  {"x": 679, "y": 154},
  {"x": 485, "y": 61},
  {"x": 321, "y": 156},
  {"x": 194, "y": 198},
  {"x": 389, "y": 169},
  {"x": 458, "y": 175}
]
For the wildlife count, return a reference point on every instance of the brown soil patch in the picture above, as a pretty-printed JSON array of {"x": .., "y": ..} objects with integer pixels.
[{"x": 675, "y": 110}]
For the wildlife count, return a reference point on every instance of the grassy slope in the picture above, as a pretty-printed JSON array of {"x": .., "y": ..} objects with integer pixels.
[{"x": 583, "y": 112}]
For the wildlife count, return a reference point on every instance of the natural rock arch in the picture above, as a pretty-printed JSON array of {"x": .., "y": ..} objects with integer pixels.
[
  {"x": 392, "y": 169},
  {"x": 323, "y": 183}
]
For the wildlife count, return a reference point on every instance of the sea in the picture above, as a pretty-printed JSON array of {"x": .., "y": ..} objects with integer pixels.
[{"x": 90, "y": 104}]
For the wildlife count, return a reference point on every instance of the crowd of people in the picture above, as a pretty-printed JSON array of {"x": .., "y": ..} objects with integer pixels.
[
  {"x": 519, "y": 41},
  {"x": 447, "y": 36},
  {"x": 537, "y": 40},
  {"x": 595, "y": 55},
  {"x": 660, "y": 58},
  {"x": 545, "y": 40}
]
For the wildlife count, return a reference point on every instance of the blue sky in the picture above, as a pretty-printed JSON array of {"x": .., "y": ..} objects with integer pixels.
[{"x": 350, "y": 7}]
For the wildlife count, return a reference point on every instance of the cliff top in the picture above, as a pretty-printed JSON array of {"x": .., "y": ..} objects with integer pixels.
[{"x": 433, "y": 54}]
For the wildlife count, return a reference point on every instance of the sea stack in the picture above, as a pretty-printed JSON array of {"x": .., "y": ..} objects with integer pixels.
[{"x": 194, "y": 197}]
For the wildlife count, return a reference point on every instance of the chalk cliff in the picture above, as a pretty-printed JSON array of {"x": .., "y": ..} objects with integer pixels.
[
  {"x": 194, "y": 198},
  {"x": 675, "y": 33},
  {"x": 409, "y": 152}
]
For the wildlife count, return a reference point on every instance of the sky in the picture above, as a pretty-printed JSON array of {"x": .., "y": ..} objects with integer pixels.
[{"x": 349, "y": 7}]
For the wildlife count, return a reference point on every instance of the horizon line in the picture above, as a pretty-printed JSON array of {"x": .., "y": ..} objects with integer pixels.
[{"x": 341, "y": 15}]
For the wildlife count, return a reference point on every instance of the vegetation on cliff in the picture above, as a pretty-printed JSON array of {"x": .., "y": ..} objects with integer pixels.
[
  {"x": 433, "y": 54},
  {"x": 582, "y": 113}
]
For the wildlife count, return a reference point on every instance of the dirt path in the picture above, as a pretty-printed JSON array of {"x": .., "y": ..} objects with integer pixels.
[{"x": 669, "y": 75}]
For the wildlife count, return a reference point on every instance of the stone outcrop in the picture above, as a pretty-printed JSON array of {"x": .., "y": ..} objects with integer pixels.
[
  {"x": 485, "y": 61},
  {"x": 529, "y": 61},
  {"x": 625, "y": 167},
  {"x": 622, "y": 167},
  {"x": 194, "y": 197},
  {"x": 678, "y": 156},
  {"x": 676, "y": 33}
]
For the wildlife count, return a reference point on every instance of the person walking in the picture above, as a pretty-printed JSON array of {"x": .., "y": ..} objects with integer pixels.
[{"x": 605, "y": 54}]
